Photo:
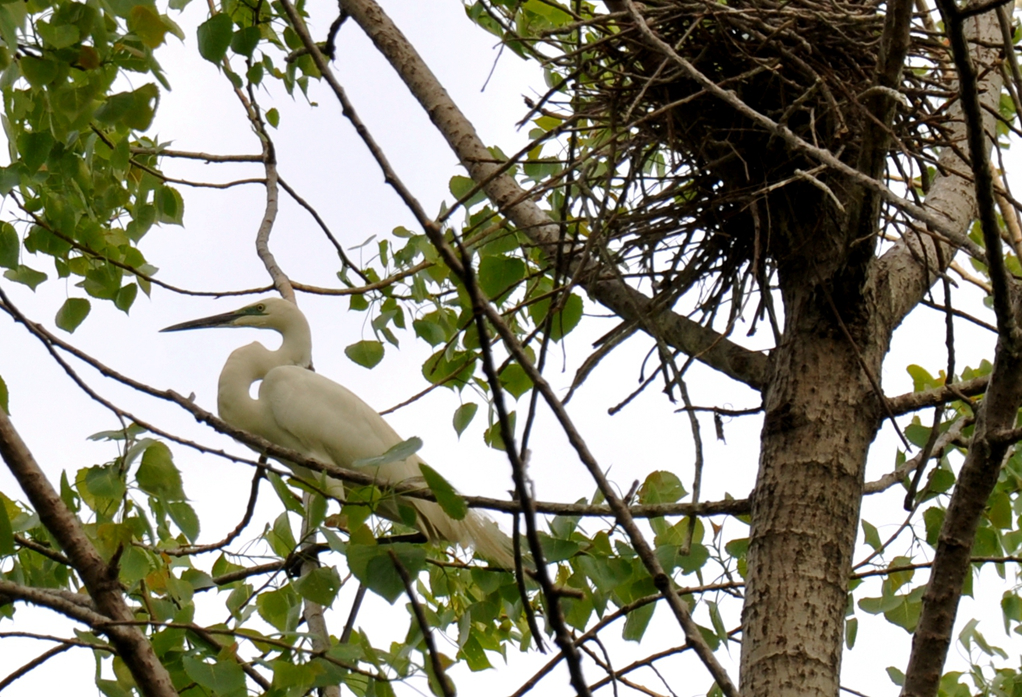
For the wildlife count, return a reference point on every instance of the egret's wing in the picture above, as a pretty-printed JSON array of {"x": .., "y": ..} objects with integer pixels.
[
  {"x": 331, "y": 423},
  {"x": 327, "y": 418}
]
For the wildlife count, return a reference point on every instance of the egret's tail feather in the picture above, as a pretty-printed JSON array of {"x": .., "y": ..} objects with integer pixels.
[{"x": 475, "y": 531}]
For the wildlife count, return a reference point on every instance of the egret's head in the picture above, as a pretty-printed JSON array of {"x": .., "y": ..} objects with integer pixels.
[{"x": 269, "y": 313}]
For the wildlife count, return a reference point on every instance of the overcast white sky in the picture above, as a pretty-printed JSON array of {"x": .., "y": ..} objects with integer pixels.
[{"x": 320, "y": 156}]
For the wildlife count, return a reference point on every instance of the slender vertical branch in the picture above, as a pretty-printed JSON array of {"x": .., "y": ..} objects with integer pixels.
[{"x": 442, "y": 681}]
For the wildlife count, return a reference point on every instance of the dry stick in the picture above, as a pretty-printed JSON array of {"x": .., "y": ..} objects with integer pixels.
[
  {"x": 623, "y": 516},
  {"x": 444, "y": 682},
  {"x": 898, "y": 475},
  {"x": 982, "y": 172},
  {"x": 51, "y": 554},
  {"x": 284, "y": 644},
  {"x": 323, "y": 226},
  {"x": 950, "y": 235},
  {"x": 913, "y": 401},
  {"x": 356, "y": 605},
  {"x": 314, "y": 614},
  {"x": 99, "y": 578}
]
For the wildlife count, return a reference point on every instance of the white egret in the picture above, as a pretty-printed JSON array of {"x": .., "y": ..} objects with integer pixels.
[{"x": 304, "y": 411}]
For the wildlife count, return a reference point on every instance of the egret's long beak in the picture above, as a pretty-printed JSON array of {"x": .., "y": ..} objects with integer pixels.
[{"x": 223, "y": 320}]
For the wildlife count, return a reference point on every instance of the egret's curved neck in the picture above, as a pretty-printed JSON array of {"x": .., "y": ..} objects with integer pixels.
[
  {"x": 244, "y": 366},
  {"x": 251, "y": 363},
  {"x": 296, "y": 347}
]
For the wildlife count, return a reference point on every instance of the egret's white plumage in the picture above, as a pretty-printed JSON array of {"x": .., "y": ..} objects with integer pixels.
[{"x": 306, "y": 412}]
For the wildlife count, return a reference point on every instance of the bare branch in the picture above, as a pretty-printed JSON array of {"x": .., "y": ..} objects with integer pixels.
[{"x": 706, "y": 345}]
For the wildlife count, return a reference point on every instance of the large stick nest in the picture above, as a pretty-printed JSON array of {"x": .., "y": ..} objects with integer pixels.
[{"x": 722, "y": 195}]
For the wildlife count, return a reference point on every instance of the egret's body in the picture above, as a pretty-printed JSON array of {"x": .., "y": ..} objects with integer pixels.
[{"x": 304, "y": 411}]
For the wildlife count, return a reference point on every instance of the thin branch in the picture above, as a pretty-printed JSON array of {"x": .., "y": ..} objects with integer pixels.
[
  {"x": 439, "y": 674},
  {"x": 35, "y": 663},
  {"x": 233, "y": 534}
]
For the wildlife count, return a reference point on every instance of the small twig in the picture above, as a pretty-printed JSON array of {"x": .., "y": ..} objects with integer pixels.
[
  {"x": 35, "y": 663},
  {"x": 356, "y": 605},
  {"x": 442, "y": 681},
  {"x": 233, "y": 534}
]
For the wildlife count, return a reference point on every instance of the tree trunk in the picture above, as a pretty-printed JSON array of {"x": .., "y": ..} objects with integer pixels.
[{"x": 821, "y": 414}]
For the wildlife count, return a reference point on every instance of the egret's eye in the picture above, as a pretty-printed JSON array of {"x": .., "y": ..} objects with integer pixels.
[{"x": 260, "y": 308}]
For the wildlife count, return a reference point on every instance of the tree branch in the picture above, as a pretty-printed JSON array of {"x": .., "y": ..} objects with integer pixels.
[
  {"x": 99, "y": 578},
  {"x": 709, "y": 347}
]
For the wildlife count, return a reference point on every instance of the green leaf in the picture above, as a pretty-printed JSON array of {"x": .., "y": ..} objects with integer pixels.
[
  {"x": 170, "y": 207},
  {"x": 446, "y": 495},
  {"x": 103, "y": 281},
  {"x": 474, "y": 654},
  {"x": 131, "y": 109},
  {"x": 281, "y": 608},
  {"x": 215, "y": 35},
  {"x": 245, "y": 40},
  {"x": 104, "y": 481},
  {"x": 147, "y": 25},
  {"x": 223, "y": 677},
  {"x": 184, "y": 517},
  {"x": 25, "y": 275},
  {"x": 320, "y": 585},
  {"x": 499, "y": 275},
  {"x": 463, "y": 416},
  {"x": 125, "y": 297},
  {"x": 460, "y": 186},
  {"x": 366, "y": 353},
  {"x": 273, "y": 118},
  {"x": 871, "y": 535},
  {"x": 999, "y": 510},
  {"x": 72, "y": 313},
  {"x": 429, "y": 331},
  {"x": 555, "y": 550},
  {"x": 638, "y": 620},
  {"x": 905, "y": 614},
  {"x": 921, "y": 378},
  {"x": 58, "y": 35},
  {"x": 562, "y": 322},
  {"x": 454, "y": 370},
  {"x": 292, "y": 678},
  {"x": 661, "y": 487},
  {"x": 1011, "y": 609},
  {"x": 398, "y": 453},
  {"x": 986, "y": 543},
  {"x": 38, "y": 71},
  {"x": 280, "y": 537},
  {"x": 158, "y": 476},
  {"x": 372, "y": 565},
  {"x": 4, "y": 397},
  {"x": 6, "y": 531},
  {"x": 515, "y": 380},
  {"x": 34, "y": 148},
  {"x": 851, "y": 630},
  {"x": 9, "y": 246}
]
